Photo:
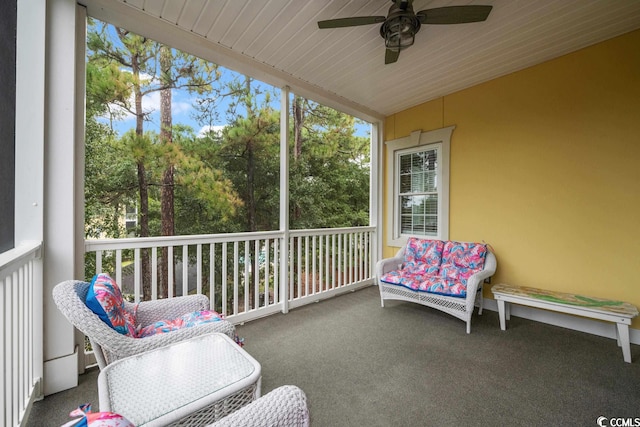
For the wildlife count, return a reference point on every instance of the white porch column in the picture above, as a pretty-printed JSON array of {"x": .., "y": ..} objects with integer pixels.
[
  {"x": 376, "y": 179},
  {"x": 63, "y": 174},
  {"x": 29, "y": 156},
  {"x": 284, "y": 198}
]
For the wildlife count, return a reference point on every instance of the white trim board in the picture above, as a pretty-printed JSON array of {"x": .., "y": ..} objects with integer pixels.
[{"x": 576, "y": 323}]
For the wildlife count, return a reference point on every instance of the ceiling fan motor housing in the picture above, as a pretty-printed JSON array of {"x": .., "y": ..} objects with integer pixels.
[{"x": 400, "y": 27}]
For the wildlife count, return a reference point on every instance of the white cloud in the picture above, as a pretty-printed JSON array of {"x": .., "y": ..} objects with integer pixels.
[
  {"x": 151, "y": 105},
  {"x": 206, "y": 129}
]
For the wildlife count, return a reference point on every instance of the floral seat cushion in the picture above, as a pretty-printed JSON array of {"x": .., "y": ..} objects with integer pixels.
[
  {"x": 437, "y": 285},
  {"x": 105, "y": 300},
  {"x": 186, "y": 321}
]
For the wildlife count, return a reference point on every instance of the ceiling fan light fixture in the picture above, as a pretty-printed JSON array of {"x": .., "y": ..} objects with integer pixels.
[
  {"x": 399, "y": 32},
  {"x": 401, "y": 24}
]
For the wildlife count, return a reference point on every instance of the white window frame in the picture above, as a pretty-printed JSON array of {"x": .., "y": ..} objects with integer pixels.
[{"x": 439, "y": 139}]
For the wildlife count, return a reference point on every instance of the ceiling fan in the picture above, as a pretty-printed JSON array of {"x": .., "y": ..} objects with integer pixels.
[{"x": 400, "y": 26}]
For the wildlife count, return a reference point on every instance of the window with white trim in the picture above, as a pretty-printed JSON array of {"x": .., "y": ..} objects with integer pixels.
[{"x": 418, "y": 186}]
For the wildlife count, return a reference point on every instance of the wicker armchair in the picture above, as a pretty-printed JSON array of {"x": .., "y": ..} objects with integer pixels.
[
  {"x": 286, "y": 406},
  {"x": 109, "y": 345}
]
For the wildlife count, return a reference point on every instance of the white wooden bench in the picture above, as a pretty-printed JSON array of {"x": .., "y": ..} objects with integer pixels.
[{"x": 617, "y": 312}]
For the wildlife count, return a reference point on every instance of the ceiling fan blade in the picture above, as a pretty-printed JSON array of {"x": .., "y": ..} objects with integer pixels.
[
  {"x": 351, "y": 22},
  {"x": 454, "y": 14},
  {"x": 391, "y": 56}
]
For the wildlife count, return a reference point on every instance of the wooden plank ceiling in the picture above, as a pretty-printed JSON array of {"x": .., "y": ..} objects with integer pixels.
[{"x": 281, "y": 42}]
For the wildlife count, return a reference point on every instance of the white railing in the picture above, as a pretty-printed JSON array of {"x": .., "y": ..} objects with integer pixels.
[
  {"x": 325, "y": 262},
  {"x": 241, "y": 272},
  {"x": 21, "y": 338}
]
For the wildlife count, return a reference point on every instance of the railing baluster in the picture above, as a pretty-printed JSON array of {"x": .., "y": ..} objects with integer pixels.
[
  {"x": 199, "y": 268},
  {"x": 14, "y": 339},
  {"x": 19, "y": 275},
  {"x": 299, "y": 263},
  {"x": 291, "y": 282},
  {"x": 333, "y": 261},
  {"x": 235, "y": 276},
  {"x": 98, "y": 262},
  {"x": 185, "y": 270},
  {"x": 351, "y": 258},
  {"x": 247, "y": 275},
  {"x": 154, "y": 273},
  {"x": 212, "y": 276},
  {"x": 276, "y": 271},
  {"x": 306, "y": 265},
  {"x": 136, "y": 274},
  {"x": 267, "y": 261},
  {"x": 224, "y": 279},
  {"x": 256, "y": 275},
  {"x": 314, "y": 241},
  {"x": 327, "y": 263},
  {"x": 357, "y": 256},
  {"x": 118, "y": 265},
  {"x": 5, "y": 351},
  {"x": 170, "y": 265}
]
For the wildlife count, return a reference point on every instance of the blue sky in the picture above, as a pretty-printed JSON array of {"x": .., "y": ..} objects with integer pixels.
[
  {"x": 182, "y": 113},
  {"x": 182, "y": 105}
]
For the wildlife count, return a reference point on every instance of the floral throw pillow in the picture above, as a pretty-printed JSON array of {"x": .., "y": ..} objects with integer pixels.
[
  {"x": 96, "y": 419},
  {"x": 423, "y": 255},
  {"x": 105, "y": 299},
  {"x": 461, "y": 259}
]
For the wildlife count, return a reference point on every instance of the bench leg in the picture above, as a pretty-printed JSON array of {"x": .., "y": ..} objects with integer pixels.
[
  {"x": 501, "y": 314},
  {"x": 623, "y": 341}
]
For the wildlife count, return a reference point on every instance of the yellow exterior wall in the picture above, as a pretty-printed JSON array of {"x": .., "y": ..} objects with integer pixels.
[{"x": 545, "y": 166}]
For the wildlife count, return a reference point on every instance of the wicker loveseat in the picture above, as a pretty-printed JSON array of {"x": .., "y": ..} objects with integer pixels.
[
  {"x": 444, "y": 275},
  {"x": 109, "y": 345}
]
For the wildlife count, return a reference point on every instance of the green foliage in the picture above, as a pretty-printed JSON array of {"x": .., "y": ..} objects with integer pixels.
[{"x": 226, "y": 181}]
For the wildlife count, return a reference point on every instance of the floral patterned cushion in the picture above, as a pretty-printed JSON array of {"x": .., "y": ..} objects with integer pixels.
[
  {"x": 186, "y": 321},
  {"x": 438, "y": 267},
  {"x": 406, "y": 278},
  {"x": 105, "y": 299},
  {"x": 423, "y": 255},
  {"x": 460, "y": 260},
  {"x": 96, "y": 419},
  {"x": 437, "y": 285},
  {"x": 421, "y": 261}
]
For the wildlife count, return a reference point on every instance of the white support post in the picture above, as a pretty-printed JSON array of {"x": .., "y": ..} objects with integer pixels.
[
  {"x": 284, "y": 197},
  {"x": 375, "y": 191},
  {"x": 63, "y": 203}
]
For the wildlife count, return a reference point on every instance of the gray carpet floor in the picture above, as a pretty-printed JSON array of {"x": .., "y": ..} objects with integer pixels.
[{"x": 409, "y": 365}]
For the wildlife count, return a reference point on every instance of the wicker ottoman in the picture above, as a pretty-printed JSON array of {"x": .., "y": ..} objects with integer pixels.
[{"x": 194, "y": 382}]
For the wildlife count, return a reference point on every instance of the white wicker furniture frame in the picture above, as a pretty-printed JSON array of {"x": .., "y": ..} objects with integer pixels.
[
  {"x": 286, "y": 406},
  {"x": 109, "y": 345},
  {"x": 189, "y": 383},
  {"x": 462, "y": 308}
]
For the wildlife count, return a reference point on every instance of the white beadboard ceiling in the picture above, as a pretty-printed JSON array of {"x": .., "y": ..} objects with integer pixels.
[{"x": 278, "y": 41}]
